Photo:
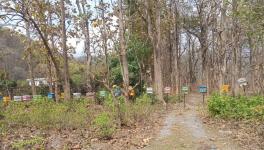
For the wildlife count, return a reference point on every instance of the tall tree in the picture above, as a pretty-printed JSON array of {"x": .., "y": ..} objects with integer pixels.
[
  {"x": 29, "y": 61},
  {"x": 123, "y": 54},
  {"x": 84, "y": 16},
  {"x": 67, "y": 87}
]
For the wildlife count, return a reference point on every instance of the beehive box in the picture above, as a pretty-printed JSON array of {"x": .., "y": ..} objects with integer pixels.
[
  {"x": 26, "y": 98},
  {"x": 17, "y": 98},
  {"x": 77, "y": 95}
]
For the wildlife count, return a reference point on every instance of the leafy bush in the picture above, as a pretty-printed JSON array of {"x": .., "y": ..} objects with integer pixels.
[
  {"x": 131, "y": 113},
  {"x": 105, "y": 124},
  {"x": 236, "y": 107}
]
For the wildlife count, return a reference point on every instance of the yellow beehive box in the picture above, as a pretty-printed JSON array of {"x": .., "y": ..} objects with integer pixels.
[
  {"x": 6, "y": 100},
  {"x": 225, "y": 88}
]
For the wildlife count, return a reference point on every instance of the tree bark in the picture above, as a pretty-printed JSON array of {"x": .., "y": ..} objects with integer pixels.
[
  {"x": 176, "y": 49},
  {"x": 223, "y": 49},
  {"x": 157, "y": 56},
  {"x": 29, "y": 61},
  {"x": 86, "y": 31},
  {"x": 123, "y": 54},
  {"x": 67, "y": 88},
  {"x": 235, "y": 51}
]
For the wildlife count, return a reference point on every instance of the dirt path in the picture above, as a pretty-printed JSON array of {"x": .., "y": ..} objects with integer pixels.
[{"x": 184, "y": 130}]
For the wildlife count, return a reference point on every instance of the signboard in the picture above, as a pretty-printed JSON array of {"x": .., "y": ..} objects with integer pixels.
[
  {"x": 17, "y": 98},
  {"x": 242, "y": 82},
  {"x": 185, "y": 89},
  {"x": 225, "y": 88},
  {"x": 149, "y": 90},
  {"x": 26, "y": 97},
  {"x": 102, "y": 93},
  {"x": 51, "y": 96},
  {"x": 167, "y": 90},
  {"x": 203, "y": 89},
  {"x": 37, "y": 97},
  {"x": 77, "y": 95},
  {"x": 117, "y": 92},
  {"x": 6, "y": 100},
  {"x": 62, "y": 96}
]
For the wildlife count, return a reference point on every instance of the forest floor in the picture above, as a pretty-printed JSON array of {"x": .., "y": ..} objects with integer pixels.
[
  {"x": 176, "y": 128},
  {"x": 189, "y": 129}
]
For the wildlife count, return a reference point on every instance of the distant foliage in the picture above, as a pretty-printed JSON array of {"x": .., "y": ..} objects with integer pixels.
[{"x": 236, "y": 107}]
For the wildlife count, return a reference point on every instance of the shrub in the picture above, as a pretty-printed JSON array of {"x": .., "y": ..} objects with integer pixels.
[
  {"x": 105, "y": 124},
  {"x": 236, "y": 107}
]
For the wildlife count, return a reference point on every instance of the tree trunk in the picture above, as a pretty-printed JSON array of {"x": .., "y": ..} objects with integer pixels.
[
  {"x": 156, "y": 43},
  {"x": 67, "y": 88},
  {"x": 176, "y": 49},
  {"x": 104, "y": 38},
  {"x": 123, "y": 56},
  {"x": 223, "y": 50},
  {"x": 49, "y": 75},
  {"x": 157, "y": 56},
  {"x": 29, "y": 61},
  {"x": 235, "y": 51},
  {"x": 86, "y": 31}
]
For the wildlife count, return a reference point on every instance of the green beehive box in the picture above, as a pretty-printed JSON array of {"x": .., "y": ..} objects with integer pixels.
[
  {"x": 37, "y": 97},
  {"x": 185, "y": 89}
]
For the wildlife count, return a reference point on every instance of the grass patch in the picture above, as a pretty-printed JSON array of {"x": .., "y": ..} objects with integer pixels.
[
  {"x": 29, "y": 143},
  {"x": 47, "y": 114},
  {"x": 236, "y": 107},
  {"x": 105, "y": 118}
]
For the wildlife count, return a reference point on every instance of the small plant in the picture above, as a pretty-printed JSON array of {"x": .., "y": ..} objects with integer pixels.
[
  {"x": 27, "y": 144},
  {"x": 105, "y": 125}
]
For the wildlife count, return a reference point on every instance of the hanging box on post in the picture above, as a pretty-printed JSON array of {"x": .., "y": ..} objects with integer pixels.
[
  {"x": 102, "y": 93},
  {"x": 17, "y": 98},
  {"x": 51, "y": 96},
  {"x": 26, "y": 97},
  {"x": 77, "y": 95},
  {"x": 6, "y": 99},
  {"x": 185, "y": 89},
  {"x": 202, "y": 89},
  {"x": 37, "y": 97},
  {"x": 149, "y": 90}
]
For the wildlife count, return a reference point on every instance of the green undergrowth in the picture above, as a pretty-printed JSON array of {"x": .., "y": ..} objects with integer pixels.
[
  {"x": 104, "y": 118},
  {"x": 46, "y": 114},
  {"x": 241, "y": 107},
  {"x": 26, "y": 144}
]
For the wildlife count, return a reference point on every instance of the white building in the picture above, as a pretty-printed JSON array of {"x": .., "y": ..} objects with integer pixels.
[{"x": 38, "y": 81}]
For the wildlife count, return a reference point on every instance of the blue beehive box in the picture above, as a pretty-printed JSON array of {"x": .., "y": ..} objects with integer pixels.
[
  {"x": 203, "y": 89},
  {"x": 51, "y": 96},
  {"x": 1, "y": 98}
]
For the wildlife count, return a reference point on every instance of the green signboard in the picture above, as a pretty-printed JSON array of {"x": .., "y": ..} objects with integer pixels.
[
  {"x": 102, "y": 93},
  {"x": 185, "y": 89}
]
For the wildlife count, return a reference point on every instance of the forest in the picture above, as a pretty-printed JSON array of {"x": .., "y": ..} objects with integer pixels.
[{"x": 103, "y": 68}]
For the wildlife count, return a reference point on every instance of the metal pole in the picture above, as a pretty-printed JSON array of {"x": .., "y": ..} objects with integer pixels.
[
  {"x": 184, "y": 100},
  {"x": 203, "y": 98}
]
